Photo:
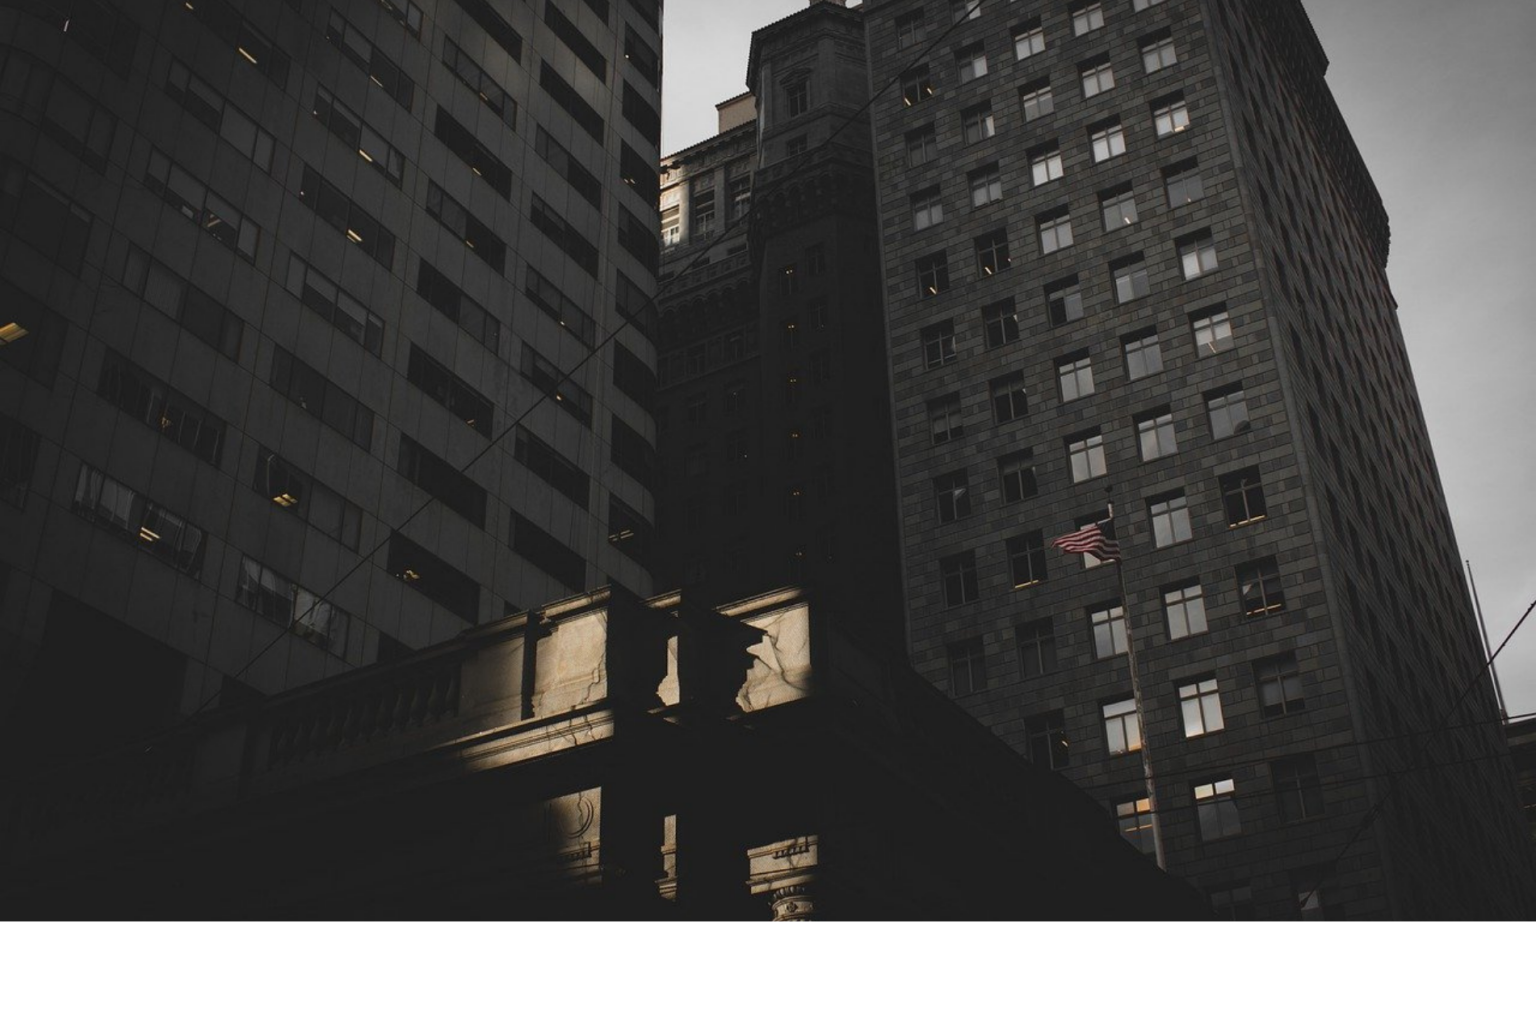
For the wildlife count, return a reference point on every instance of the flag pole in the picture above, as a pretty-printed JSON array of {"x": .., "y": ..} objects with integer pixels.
[{"x": 1141, "y": 721}]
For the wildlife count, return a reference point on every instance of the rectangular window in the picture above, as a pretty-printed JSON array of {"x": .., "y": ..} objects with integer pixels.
[
  {"x": 1000, "y": 323},
  {"x": 332, "y": 205},
  {"x": 560, "y": 231},
  {"x": 439, "y": 479},
  {"x": 1170, "y": 519},
  {"x": 359, "y": 49},
  {"x": 1184, "y": 185},
  {"x": 1122, "y": 730},
  {"x": 466, "y": 227},
  {"x": 1200, "y": 708},
  {"x": 322, "y": 398},
  {"x": 444, "y": 296},
  {"x": 18, "y": 461},
  {"x": 1184, "y": 606},
  {"x": 1228, "y": 410},
  {"x": 433, "y": 578},
  {"x": 702, "y": 205},
  {"x": 553, "y": 468},
  {"x": 976, "y": 123},
  {"x": 962, "y": 10},
  {"x": 1063, "y": 301},
  {"x": 208, "y": 105},
  {"x": 186, "y": 304},
  {"x": 298, "y": 494},
  {"x": 1197, "y": 256},
  {"x": 1045, "y": 740},
  {"x": 631, "y": 452},
  {"x": 1242, "y": 495},
  {"x": 1036, "y": 101},
  {"x": 1258, "y": 587},
  {"x": 1026, "y": 559},
  {"x": 565, "y": 312},
  {"x": 144, "y": 523},
  {"x": 932, "y": 274},
  {"x": 641, "y": 115},
  {"x": 342, "y": 122},
  {"x": 992, "y": 252},
  {"x": 1087, "y": 18},
  {"x": 916, "y": 86},
  {"x": 952, "y": 494},
  {"x": 1028, "y": 39},
  {"x": 337, "y": 307},
  {"x": 958, "y": 574},
  {"x": 1298, "y": 790},
  {"x": 910, "y": 30},
  {"x": 986, "y": 185},
  {"x": 1010, "y": 400},
  {"x": 201, "y": 205},
  {"x": 629, "y": 532},
  {"x": 153, "y": 403},
  {"x": 1155, "y": 435},
  {"x": 503, "y": 34},
  {"x": 1055, "y": 231},
  {"x": 1232, "y": 902},
  {"x": 1107, "y": 141},
  {"x": 922, "y": 146},
  {"x": 939, "y": 344},
  {"x": 1075, "y": 374},
  {"x": 462, "y": 143},
  {"x": 967, "y": 667},
  {"x": 1280, "y": 691},
  {"x": 944, "y": 419},
  {"x": 291, "y": 606},
  {"x": 639, "y": 174},
  {"x": 971, "y": 62},
  {"x": 1097, "y": 77},
  {"x": 1170, "y": 116},
  {"x": 43, "y": 217},
  {"x": 224, "y": 21},
  {"x": 1132, "y": 283},
  {"x": 927, "y": 210},
  {"x": 1016, "y": 477},
  {"x": 1213, "y": 331},
  {"x": 1108, "y": 625},
  {"x": 582, "y": 181},
  {"x": 1045, "y": 164},
  {"x": 1158, "y": 53},
  {"x": 439, "y": 383},
  {"x": 480, "y": 83},
  {"x": 1118, "y": 209},
  {"x": 567, "y": 32},
  {"x": 1134, "y": 817},
  {"x": 1216, "y": 809},
  {"x": 1086, "y": 453}
]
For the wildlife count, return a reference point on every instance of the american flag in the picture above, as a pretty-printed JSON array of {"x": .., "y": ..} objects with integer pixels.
[{"x": 1092, "y": 539}]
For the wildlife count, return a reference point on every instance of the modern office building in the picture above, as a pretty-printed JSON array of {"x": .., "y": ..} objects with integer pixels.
[
  {"x": 773, "y": 397},
  {"x": 1522, "y": 749},
  {"x": 288, "y": 293}
]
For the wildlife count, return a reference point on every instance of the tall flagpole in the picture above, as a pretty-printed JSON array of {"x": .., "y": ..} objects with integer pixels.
[{"x": 1141, "y": 721}]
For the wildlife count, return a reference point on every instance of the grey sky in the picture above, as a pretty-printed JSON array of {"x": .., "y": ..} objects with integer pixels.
[{"x": 1441, "y": 98}]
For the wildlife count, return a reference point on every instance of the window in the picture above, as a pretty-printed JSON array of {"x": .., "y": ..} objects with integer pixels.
[
  {"x": 553, "y": 468},
  {"x": 1143, "y": 356},
  {"x": 986, "y": 185},
  {"x": 992, "y": 252},
  {"x": 789, "y": 284},
  {"x": 952, "y": 493},
  {"x": 332, "y": 205},
  {"x": 1158, "y": 53},
  {"x": 962, "y": 10},
  {"x": 1154, "y": 432},
  {"x": 422, "y": 571},
  {"x": 1170, "y": 116},
  {"x": 1184, "y": 186},
  {"x": 18, "y": 461},
  {"x": 1242, "y": 495},
  {"x": 1055, "y": 231},
  {"x": 1108, "y": 142},
  {"x": 1108, "y": 624},
  {"x": 1045, "y": 165},
  {"x": 1280, "y": 690},
  {"x": 1197, "y": 256},
  {"x": 1216, "y": 809},
  {"x": 1142, "y": 5},
  {"x": 932, "y": 274},
  {"x": 702, "y": 205},
  {"x": 1135, "y": 819},
  {"x": 1087, "y": 18},
  {"x": 1307, "y": 890},
  {"x": 944, "y": 419},
  {"x": 1036, "y": 100},
  {"x": 441, "y": 480},
  {"x": 1045, "y": 740},
  {"x": 552, "y": 301},
  {"x": 143, "y": 523},
  {"x": 346, "y": 125},
  {"x": 1121, "y": 729},
  {"x": 139, "y": 395},
  {"x": 972, "y": 62},
  {"x": 466, "y": 227},
  {"x": 926, "y": 209},
  {"x": 1200, "y": 707},
  {"x": 322, "y": 295},
  {"x": 1170, "y": 519},
  {"x": 1184, "y": 606},
  {"x": 1009, "y": 400},
  {"x": 208, "y": 106},
  {"x": 496, "y": 27},
  {"x": 1258, "y": 586},
  {"x": 546, "y": 376},
  {"x": 438, "y": 383},
  {"x": 939, "y": 344},
  {"x": 1075, "y": 374},
  {"x": 1233, "y": 902},
  {"x": 1026, "y": 559},
  {"x": 1213, "y": 331},
  {"x": 921, "y": 146},
  {"x": 910, "y": 29},
  {"x": 1298, "y": 790},
  {"x": 201, "y": 205},
  {"x": 967, "y": 667},
  {"x": 357, "y": 48},
  {"x": 958, "y": 573},
  {"x": 1028, "y": 39},
  {"x": 1097, "y": 77},
  {"x": 1000, "y": 323},
  {"x": 289, "y": 605},
  {"x": 797, "y": 98},
  {"x": 1016, "y": 477},
  {"x": 916, "y": 86},
  {"x": 1132, "y": 283},
  {"x": 976, "y": 123},
  {"x": 1119, "y": 209},
  {"x": 1229, "y": 412}
]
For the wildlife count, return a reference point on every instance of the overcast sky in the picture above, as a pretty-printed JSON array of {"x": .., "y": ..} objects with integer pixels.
[{"x": 1441, "y": 98}]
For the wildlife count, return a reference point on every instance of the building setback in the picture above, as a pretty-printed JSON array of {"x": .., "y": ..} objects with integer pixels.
[{"x": 274, "y": 274}]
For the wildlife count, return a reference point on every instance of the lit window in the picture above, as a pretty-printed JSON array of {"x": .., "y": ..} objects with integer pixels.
[
  {"x": 1026, "y": 559},
  {"x": 1075, "y": 373},
  {"x": 986, "y": 185},
  {"x": 1087, "y": 18},
  {"x": 1132, "y": 282},
  {"x": 972, "y": 62},
  {"x": 1170, "y": 519},
  {"x": 1045, "y": 165},
  {"x": 1157, "y": 54},
  {"x": 927, "y": 210},
  {"x": 1036, "y": 100},
  {"x": 932, "y": 274},
  {"x": 976, "y": 123},
  {"x": 1028, "y": 39},
  {"x": 1155, "y": 434},
  {"x": 1216, "y": 809},
  {"x": 1108, "y": 625},
  {"x": 1229, "y": 413},
  {"x": 1213, "y": 331},
  {"x": 1122, "y": 730},
  {"x": 958, "y": 574},
  {"x": 1197, "y": 256},
  {"x": 1119, "y": 209},
  {"x": 916, "y": 86},
  {"x": 992, "y": 252},
  {"x": 952, "y": 493},
  {"x": 1055, "y": 232},
  {"x": 1280, "y": 689},
  {"x": 938, "y": 344},
  {"x": 1184, "y": 186},
  {"x": 1016, "y": 477},
  {"x": 1184, "y": 605},
  {"x": 1143, "y": 356},
  {"x": 1135, "y": 820},
  {"x": 944, "y": 419},
  {"x": 1108, "y": 142},
  {"x": 1258, "y": 587},
  {"x": 1097, "y": 78},
  {"x": 1009, "y": 400},
  {"x": 1200, "y": 707},
  {"x": 1170, "y": 117},
  {"x": 1298, "y": 790},
  {"x": 1045, "y": 740},
  {"x": 967, "y": 667}
]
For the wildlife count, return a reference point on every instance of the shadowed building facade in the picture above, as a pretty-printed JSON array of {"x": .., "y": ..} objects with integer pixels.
[{"x": 274, "y": 274}]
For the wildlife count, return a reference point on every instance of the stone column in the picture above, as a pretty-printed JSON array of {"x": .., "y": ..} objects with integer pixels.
[{"x": 786, "y": 872}]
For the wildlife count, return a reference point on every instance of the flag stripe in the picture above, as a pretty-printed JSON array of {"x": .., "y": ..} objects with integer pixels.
[{"x": 1090, "y": 540}]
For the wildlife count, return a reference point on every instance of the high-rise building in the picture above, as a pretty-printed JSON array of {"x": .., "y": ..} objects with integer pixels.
[
  {"x": 1133, "y": 255},
  {"x": 1133, "y": 261},
  {"x": 272, "y": 276}
]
